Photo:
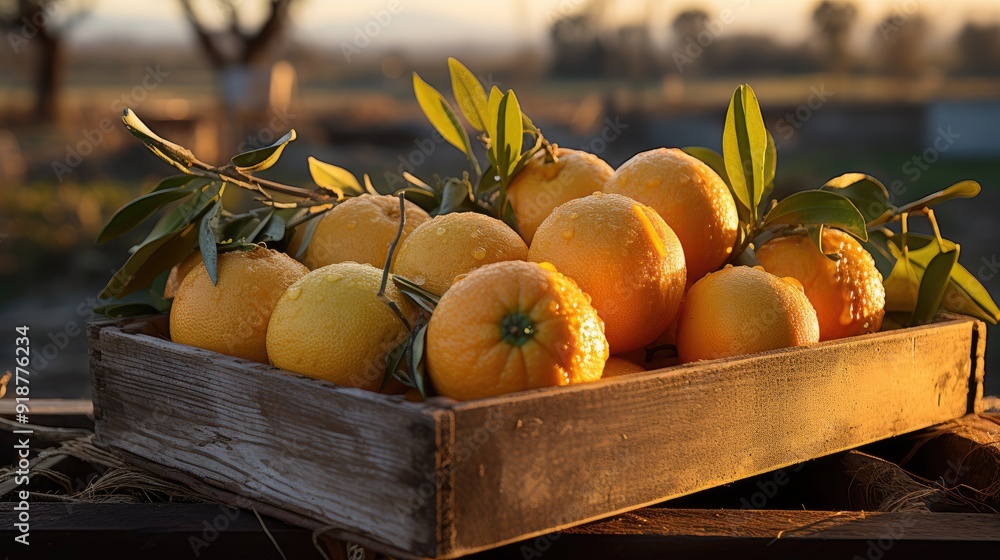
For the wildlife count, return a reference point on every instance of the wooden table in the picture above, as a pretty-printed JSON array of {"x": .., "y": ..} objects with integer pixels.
[{"x": 940, "y": 489}]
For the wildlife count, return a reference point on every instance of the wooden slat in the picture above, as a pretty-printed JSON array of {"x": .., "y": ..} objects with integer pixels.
[
  {"x": 794, "y": 524},
  {"x": 561, "y": 456},
  {"x": 339, "y": 456},
  {"x": 49, "y": 407}
]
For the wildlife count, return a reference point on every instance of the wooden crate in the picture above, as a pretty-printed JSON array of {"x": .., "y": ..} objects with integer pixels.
[{"x": 444, "y": 479}]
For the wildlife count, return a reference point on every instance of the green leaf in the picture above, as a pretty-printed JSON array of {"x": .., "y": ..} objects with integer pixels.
[
  {"x": 469, "y": 94},
  {"x": 770, "y": 166},
  {"x": 307, "y": 236},
  {"x": 744, "y": 148},
  {"x": 149, "y": 260},
  {"x": 454, "y": 195},
  {"x": 440, "y": 115},
  {"x": 173, "y": 182},
  {"x": 208, "y": 239},
  {"x": 508, "y": 217},
  {"x": 710, "y": 158},
  {"x": 933, "y": 284},
  {"x": 425, "y": 299},
  {"x": 188, "y": 211},
  {"x": 867, "y": 193},
  {"x": 135, "y": 212},
  {"x": 273, "y": 231},
  {"x": 902, "y": 288},
  {"x": 415, "y": 360},
  {"x": 335, "y": 179},
  {"x": 262, "y": 223},
  {"x": 493, "y": 112},
  {"x": 509, "y": 134},
  {"x": 815, "y": 233},
  {"x": 965, "y": 294},
  {"x": 392, "y": 361},
  {"x": 177, "y": 156},
  {"x": 964, "y": 189},
  {"x": 263, "y": 158},
  {"x": 815, "y": 207}
]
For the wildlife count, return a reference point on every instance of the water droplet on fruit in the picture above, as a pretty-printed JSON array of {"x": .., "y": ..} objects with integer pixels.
[
  {"x": 419, "y": 280},
  {"x": 475, "y": 234},
  {"x": 440, "y": 231},
  {"x": 567, "y": 234},
  {"x": 352, "y": 224},
  {"x": 333, "y": 277},
  {"x": 479, "y": 253},
  {"x": 293, "y": 293},
  {"x": 553, "y": 306},
  {"x": 574, "y": 216}
]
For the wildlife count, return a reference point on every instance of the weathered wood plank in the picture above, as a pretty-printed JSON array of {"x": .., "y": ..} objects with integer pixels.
[
  {"x": 796, "y": 524},
  {"x": 340, "y": 456},
  {"x": 562, "y": 456}
]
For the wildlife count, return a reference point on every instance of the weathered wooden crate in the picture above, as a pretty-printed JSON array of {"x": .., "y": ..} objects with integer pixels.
[{"x": 443, "y": 479}]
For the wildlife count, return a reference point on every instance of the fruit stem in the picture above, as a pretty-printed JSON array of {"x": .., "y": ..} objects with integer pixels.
[
  {"x": 388, "y": 261},
  {"x": 516, "y": 329}
]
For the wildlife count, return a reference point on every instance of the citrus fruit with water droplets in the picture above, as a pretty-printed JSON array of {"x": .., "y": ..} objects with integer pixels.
[
  {"x": 331, "y": 325},
  {"x": 232, "y": 317},
  {"x": 447, "y": 246},
  {"x": 617, "y": 366},
  {"x": 741, "y": 310},
  {"x": 624, "y": 256},
  {"x": 513, "y": 326},
  {"x": 847, "y": 293},
  {"x": 547, "y": 182},
  {"x": 691, "y": 197},
  {"x": 360, "y": 229}
]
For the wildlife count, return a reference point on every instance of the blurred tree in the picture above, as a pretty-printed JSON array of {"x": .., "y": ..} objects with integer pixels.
[
  {"x": 979, "y": 47},
  {"x": 900, "y": 39},
  {"x": 234, "y": 44},
  {"x": 576, "y": 42},
  {"x": 833, "y": 19},
  {"x": 236, "y": 47},
  {"x": 693, "y": 39},
  {"x": 43, "y": 25}
]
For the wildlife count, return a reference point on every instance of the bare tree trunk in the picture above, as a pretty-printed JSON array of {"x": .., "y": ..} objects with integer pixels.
[{"x": 49, "y": 76}]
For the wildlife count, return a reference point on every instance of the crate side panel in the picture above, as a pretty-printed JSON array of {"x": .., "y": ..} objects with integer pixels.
[
  {"x": 345, "y": 457},
  {"x": 552, "y": 458}
]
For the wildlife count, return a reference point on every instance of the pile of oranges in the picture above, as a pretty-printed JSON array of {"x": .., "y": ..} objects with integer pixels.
[{"x": 613, "y": 272}]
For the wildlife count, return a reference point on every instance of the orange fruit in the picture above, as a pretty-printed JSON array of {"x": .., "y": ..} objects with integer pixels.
[
  {"x": 742, "y": 310},
  {"x": 664, "y": 346},
  {"x": 331, "y": 325},
  {"x": 179, "y": 272},
  {"x": 454, "y": 244},
  {"x": 360, "y": 229},
  {"x": 232, "y": 317},
  {"x": 691, "y": 197},
  {"x": 513, "y": 326},
  {"x": 616, "y": 366},
  {"x": 543, "y": 185},
  {"x": 847, "y": 294},
  {"x": 624, "y": 256}
]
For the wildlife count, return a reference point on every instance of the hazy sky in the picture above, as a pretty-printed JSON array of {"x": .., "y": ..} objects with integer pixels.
[{"x": 447, "y": 22}]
